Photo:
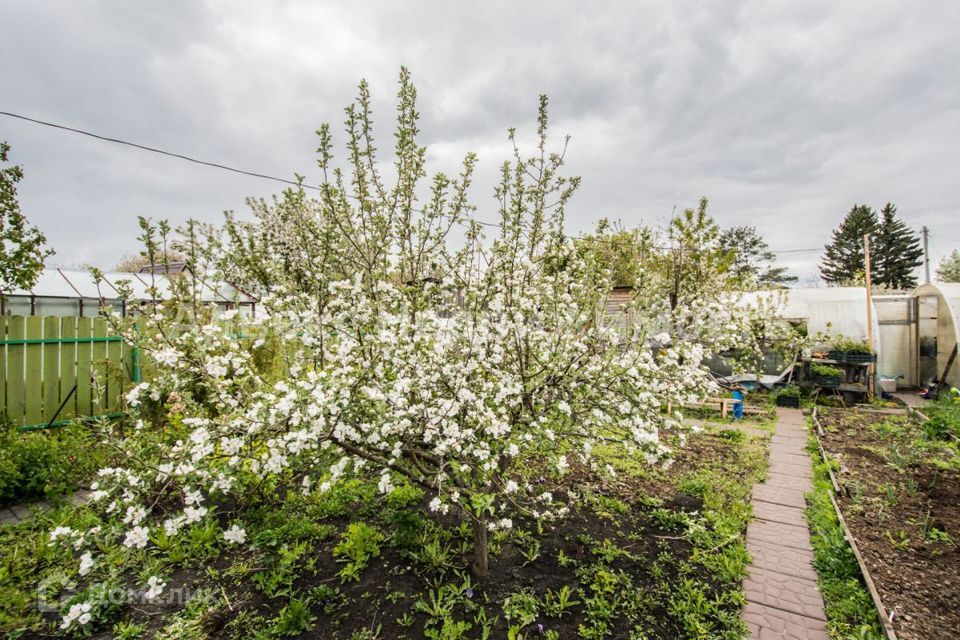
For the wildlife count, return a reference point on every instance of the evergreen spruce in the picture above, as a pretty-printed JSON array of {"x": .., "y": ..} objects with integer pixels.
[
  {"x": 897, "y": 250},
  {"x": 843, "y": 259}
]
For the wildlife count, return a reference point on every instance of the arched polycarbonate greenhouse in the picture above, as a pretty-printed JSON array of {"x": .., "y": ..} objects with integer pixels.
[
  {"x": 63, "y": 293},
  {"x": 938, "y": 332},
  {"x": 915, "y": 335},
  {"x": 834, "y": 311}
]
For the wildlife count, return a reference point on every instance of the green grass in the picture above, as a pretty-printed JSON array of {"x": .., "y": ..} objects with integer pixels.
[{"x": 849, "y": 608}]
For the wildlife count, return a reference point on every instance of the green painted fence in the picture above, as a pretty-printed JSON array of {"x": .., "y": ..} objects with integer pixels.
[{"x": 56, "y": 369}]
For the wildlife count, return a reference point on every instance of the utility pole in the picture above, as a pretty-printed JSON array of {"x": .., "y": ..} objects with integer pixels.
[
  {"x": 926, "y": 256},
  {"x": 866, "y": 261}
]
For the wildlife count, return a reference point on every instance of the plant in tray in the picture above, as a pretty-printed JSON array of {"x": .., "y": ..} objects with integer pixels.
[
  {"x": 788, "y": 396},
  {"x": 825, "y": 375},
  {"x": 847, "y": 350}
]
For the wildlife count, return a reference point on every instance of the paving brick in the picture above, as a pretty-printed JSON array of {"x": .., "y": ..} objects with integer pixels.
[
  {"x": 798, "y": 441},
  {"x": 767, "y": 623},
  {"x": 784, "y": 413},
  {"x": 779, "y": 495},
  {"x": 786, "y": 560},
  {"x": 791, "y": 469},
  {"x": 792, "y": 432},
  {"x": 21, "y": 511},
  {"x": 775, "y": 479},
  {"x": 793, "y": 448},
  {"x": 779, "y": 513},
  {"x": 781, "y": 534},
  {"x": 792, "y": 422},
  {"x": 780, "y": 591},
  {"x": 796, "y": 457},
  {"x": 79, "y": 498},
  {"x": 8, "y": 517}
]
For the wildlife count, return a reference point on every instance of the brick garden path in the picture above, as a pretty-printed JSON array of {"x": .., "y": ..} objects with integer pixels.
[
  {"x": 783, "y": 602},
  {"x": 22, "y": 513}
]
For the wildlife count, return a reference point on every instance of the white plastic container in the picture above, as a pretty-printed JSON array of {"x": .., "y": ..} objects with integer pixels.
[{"x": 890, "y": 386}]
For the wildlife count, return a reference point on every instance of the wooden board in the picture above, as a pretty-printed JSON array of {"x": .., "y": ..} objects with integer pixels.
[
  {"x": 3, "y": 366},
  {"x": 68, "y": 366},
  {"x": 33, "y": 379},
  {"x": 51, "y": 369},
  {"x": 99, "y": 392},
  {"x": 84, "y": 368},
  {"x": 115, "y": 375}
]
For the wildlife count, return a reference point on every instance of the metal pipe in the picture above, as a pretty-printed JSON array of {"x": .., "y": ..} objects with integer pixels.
[{"x": 61, "y": 340}]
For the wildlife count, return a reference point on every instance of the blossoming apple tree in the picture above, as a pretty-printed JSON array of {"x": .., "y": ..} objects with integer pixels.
[{"x": 398, "y": 335}]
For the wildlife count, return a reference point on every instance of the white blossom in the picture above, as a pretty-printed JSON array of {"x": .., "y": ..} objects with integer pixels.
[
  {"x": 235, "y": 535},
  {"x": 86, "y": 563},
  {"x": 136, "y": 537},
  {"x": 79, "y": 613},
  {"x": 155, "y": 586}
]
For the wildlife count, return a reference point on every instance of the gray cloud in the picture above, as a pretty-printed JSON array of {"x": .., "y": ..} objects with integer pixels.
[{"x": 783, "y": 114}]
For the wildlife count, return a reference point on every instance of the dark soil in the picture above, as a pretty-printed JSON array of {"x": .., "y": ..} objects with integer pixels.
[
  {"x": 893, "y": 495},
  {"x": 657, "y": 558}
]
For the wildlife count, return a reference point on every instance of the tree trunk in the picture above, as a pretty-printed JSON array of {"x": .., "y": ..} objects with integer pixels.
[{"x": 480, "y": 556}]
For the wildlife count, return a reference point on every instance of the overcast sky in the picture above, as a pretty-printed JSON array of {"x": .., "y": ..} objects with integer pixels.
[{"x": 784, "y": 114}]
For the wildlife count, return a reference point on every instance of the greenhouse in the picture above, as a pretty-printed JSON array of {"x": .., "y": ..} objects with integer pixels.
[
  {"x": 937, "y": 332},
  {"x": 834, "y": 311},
  {"x": 63, "y": 293}
]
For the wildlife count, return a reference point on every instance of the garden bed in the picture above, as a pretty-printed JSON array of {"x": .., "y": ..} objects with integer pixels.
[
  {"x": 900, "y": 497},
  {"x": 652, "y": 553}
]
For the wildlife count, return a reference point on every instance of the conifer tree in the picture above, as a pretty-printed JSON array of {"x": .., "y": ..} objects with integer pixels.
[
  {"x": 843, "y": 259},
  {"x": 897, "y": 250}
]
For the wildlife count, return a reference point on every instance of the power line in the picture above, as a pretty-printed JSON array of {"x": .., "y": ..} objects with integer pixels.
[
  {"x": 256, "y": 174},
  {"x": 940, "y": 235},
  {"x": 171, "y": 154}
]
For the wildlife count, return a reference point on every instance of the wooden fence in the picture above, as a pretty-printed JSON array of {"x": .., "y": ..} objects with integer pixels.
[{"x": 54, "y": 369}]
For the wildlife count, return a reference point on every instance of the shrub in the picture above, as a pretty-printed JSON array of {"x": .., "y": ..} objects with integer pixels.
[{"x": 42, "y": 464}]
